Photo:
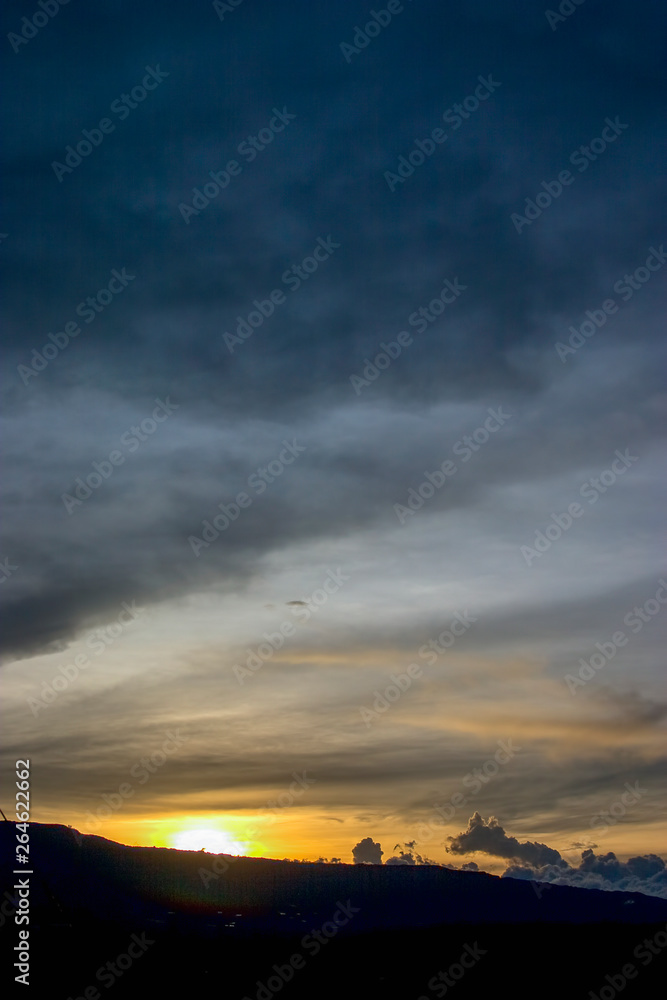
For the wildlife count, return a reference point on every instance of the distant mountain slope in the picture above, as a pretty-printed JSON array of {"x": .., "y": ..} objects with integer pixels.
[
  {"x": 109, "y": 880},
  {"x": 158, "y": 923}
]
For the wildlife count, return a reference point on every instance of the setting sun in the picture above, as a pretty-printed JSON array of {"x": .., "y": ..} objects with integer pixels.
[{"x": 208, "y": 839}]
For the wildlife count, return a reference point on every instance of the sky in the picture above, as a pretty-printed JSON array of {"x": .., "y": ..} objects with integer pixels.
[{"x": 333, "y": 421}]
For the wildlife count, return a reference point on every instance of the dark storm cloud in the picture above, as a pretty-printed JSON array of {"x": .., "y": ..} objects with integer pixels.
[
  {"x": 544, "y": 864},
  {"x": 321, "y": 177},
  {"x": 490, "y": 838},
  {"x": 367, "y": 852},
  {"x": 326, "y": 176},
  {"x": 646, "y": 873}
]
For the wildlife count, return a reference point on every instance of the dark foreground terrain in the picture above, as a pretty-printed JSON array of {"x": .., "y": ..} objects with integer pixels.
[{"x": 147, "y": 922}]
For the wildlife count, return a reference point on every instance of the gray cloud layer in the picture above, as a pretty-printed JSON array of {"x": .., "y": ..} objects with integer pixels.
[{"x": 323, "y": 174}]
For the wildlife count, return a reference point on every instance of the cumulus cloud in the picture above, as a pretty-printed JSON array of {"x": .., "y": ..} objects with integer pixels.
[
  {"x": 646, "y": 873},
  {"x": 490, "y": 838},
  {"x": 409, "y": 857},
  {"x": 540, "y": 863},
  {"x": 367, "y": 852}
]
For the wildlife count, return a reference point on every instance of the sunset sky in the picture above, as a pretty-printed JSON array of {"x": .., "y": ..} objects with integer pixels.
[{"x": 476, "y": 514}]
